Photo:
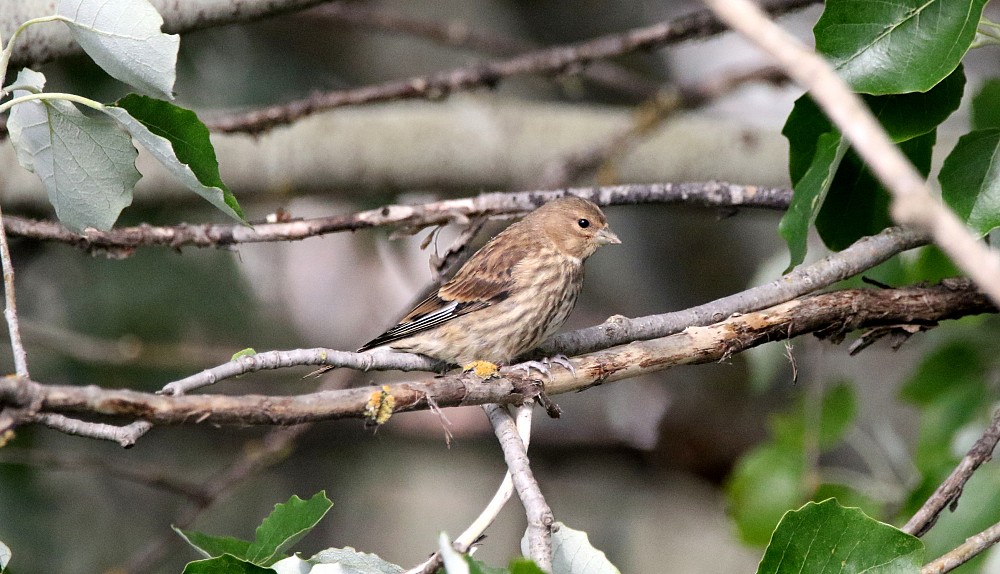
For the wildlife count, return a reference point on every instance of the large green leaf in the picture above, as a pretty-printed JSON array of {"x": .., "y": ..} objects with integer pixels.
[
  {"x": 763, "y": 486},
  {"x": 859, "y": 201},
  {"x": 896, "y": 46},
  {"x": 857, "y": 204},
  {"x": 826, "y": 538},
  {"x": 809, "y": 193},
  {"x": 124, "y": 38},
  {"x": 85, "y": 162},
  {"x": 178, "y": 140},
  {"x": 285, "y": 526},
  {"x": 986, "y": 106},
  {"x": 970, "y": 179}
]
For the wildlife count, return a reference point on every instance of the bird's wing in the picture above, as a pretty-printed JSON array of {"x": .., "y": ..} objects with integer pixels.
[{"x": 485, "y": 279}]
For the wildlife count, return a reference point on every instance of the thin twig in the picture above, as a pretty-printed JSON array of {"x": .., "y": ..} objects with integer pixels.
[
  {"x": 950, "y": 490},
  {"x": 972, "y": 547},
  {"x": 10, "y": 308},
  {"x": 567, "y": 59},
  {"x": 829, "y": 314},
  {"x": 123, "y": 241},
  {"x": 126, "y": 436},
  {"x": 475, "y": 530},
  {"x": 537, "y": 511},
  {"x": 913, "y": 204}
]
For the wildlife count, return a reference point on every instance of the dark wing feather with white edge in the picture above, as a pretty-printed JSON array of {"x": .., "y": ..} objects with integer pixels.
[{"x": 485, "y": 279}]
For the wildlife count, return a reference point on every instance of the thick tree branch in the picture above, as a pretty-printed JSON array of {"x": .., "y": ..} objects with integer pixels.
[
  {"x": 122, "y": 241},
  {"x": 557, "y": 60},
  {"x": 831, "y": 314},
  {"x": 913, "y": 204},
  {"x": 950, "y": 490}
]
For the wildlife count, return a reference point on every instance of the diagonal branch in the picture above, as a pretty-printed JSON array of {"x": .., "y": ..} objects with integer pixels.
[{"x": 950, "y": 490}]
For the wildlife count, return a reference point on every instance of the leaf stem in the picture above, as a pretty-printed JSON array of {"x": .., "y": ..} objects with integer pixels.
[
  {"x": 52, "y": 96},
  {"x": 9, "y": 48}
]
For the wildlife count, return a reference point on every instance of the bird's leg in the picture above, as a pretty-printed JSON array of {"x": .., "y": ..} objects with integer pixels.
[{"x": 544, "y": 366}]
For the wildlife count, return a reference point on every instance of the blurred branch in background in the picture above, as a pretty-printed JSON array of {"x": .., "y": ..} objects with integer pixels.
[{"x": 558, "y": 60}]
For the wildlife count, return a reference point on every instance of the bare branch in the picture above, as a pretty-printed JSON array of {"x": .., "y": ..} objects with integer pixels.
[
  {"x": 126, "y": 436},
  {"x": 972, "y": 547},
  {"x": 913, "y": 204},
  {"x": 539, "y": 514},
  {"x": 568, "y": 59},
  {"x": 829, "y": 314},
  {"x": 123, "y": 241},
  {"x": 10, "y": 308},
  {"x": 950, "y": 490}
]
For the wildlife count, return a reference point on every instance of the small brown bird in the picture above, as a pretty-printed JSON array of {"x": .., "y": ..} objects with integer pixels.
[{"x": 512, "y": 294}]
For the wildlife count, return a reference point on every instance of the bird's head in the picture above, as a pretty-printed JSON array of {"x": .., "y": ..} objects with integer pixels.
[{"x": 575, "y": 225}]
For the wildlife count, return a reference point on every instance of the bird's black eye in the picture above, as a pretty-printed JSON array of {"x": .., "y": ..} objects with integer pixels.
[{"x": 583, "y": 223}]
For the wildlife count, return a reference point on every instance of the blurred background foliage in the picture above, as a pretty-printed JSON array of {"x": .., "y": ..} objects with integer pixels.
[{"x": 703, "y": 458}]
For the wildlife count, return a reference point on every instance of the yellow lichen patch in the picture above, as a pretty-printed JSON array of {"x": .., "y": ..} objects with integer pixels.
[
  {"x": 482, "y": 369},
  {"x": 380, "y": 405}
]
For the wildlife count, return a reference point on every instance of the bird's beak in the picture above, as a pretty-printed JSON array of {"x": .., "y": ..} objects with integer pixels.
[{"x": 607, "y": 237}]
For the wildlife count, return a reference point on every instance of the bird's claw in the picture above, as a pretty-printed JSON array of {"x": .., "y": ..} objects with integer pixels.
[{"x": 544, "y": 366}]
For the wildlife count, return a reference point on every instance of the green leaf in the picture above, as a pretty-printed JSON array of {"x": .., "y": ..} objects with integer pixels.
[
  {"x": 285, "y": 526},
  {"x": 178, "y": 140},
  {"x": 809, "y": 193},
  {"x": 86, "y": 163},
  {"x": 970, "y": 179},
  {"x": 986, "y": 106},
  {"x": 213, "y": 546},
  {"x": 225, "y": 564},
  {"x": 477, "y": 567},
  {"x": 572, "y": 553},
  {"x": 857, "y": 204},
  {"x": 248, "y": 352},
  {"x": 764, "y": 485},
  {"x": 355, "y": 562},
  {"x": 828, "y": 538},
  {"x": 124, "y": 38},
  {"x": 837, "y": 413},
  {"x": 953, "y": 365},
  {"x": 896, "y": 46},
  {"x": 524, "y": 566}
]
